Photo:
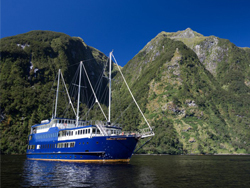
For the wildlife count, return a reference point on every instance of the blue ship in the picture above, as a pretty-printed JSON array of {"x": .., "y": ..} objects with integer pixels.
[{"x": 75, "y": 140}]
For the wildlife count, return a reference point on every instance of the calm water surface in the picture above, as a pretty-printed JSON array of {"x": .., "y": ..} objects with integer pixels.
[{"x": 142, "y": 171}]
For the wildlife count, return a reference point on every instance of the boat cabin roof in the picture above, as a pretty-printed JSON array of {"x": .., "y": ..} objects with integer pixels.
[{"x": 91, "y": 124}]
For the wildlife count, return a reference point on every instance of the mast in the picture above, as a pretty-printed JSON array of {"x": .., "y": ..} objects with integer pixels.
[
  {"x": 79, "y": 88},
  {"x": 110, "y": 55},
  {"x": 57, "y": 90}
]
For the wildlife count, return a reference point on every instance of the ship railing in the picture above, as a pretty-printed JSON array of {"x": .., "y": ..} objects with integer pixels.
[
  {"x": 72, "y": 124},
  {"x": 129, "y": 133},
  {"x": 146, "y": 132}
]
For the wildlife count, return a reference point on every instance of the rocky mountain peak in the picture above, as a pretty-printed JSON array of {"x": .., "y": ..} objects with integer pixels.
[{"x": 187, "y": 33}]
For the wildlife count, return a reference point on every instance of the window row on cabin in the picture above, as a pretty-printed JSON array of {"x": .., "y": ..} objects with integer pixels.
[
  {"x": 46, "y": 146},
  {"x": 79, "y": 132},
  {"x": 67, "y": 121},
  {"x": 49, "y": 146},
  {"x": 48, "y": 135},
  {"x": 66, "y": 145},
  {"x": 44, "y": 126},
  {"x": 82, "y": 131}
]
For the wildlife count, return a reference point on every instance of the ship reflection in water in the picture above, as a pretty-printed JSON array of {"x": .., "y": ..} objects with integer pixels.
[{"x": 63, "y": 174}]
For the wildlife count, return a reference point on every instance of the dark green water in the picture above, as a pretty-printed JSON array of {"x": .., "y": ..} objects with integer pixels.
[{"x": 142, "y": 171}]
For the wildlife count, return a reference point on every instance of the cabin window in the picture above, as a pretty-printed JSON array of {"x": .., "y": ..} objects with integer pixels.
[
  {"x": 76, "y": 132},
  {"x": 98, "y": 131},
  {"x": 81, "y": 132},
  {"x": 94, "y": 130},
  {"x": 88, "y": 130}
]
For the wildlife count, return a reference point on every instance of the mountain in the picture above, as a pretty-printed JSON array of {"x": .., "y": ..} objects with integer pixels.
[
  {"x": 29, "y": 64},
  {"x": 193, "y": 89}
]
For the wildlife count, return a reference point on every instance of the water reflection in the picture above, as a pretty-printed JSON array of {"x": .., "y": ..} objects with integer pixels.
[
  {"x": 62, "y": 174},
  {"x": 143, "y": 171}
]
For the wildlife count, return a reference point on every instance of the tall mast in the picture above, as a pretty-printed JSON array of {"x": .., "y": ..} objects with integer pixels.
[
  {"x": 57, "y": 90},
  {"x": 110, "y": 55},
  {"x": 79, "y": 89}
]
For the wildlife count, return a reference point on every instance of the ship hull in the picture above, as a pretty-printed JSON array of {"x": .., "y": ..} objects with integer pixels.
[{"x": 95, "y": 149}]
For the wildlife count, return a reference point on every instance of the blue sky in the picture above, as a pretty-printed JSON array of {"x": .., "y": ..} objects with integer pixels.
[{"x": 127, "y": 25}]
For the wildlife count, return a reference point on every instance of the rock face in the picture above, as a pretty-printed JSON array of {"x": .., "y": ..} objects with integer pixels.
[{"x": 210, "y": 53}]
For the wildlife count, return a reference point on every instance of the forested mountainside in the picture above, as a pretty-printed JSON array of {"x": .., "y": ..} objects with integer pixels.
[
  {"x": 194, "y": 90},
  {"x": 29, "y": 65}
]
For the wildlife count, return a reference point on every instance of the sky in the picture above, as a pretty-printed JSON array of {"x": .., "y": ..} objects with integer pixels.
[{"x": 126, "y": 26}]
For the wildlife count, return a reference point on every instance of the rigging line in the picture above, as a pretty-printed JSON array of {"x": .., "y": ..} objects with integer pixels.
[
  {"x": 94, "y": 92},
  {"x": 86, "y": 91},
  {"x": 50, "y": 95},
  {"x": 133, "y": 96},
  {"x": 123, "y": 112},
  {"x": 142, "y": 145},
  {"x": 89, "y": 110},
  {"x": 82, "y": 61},
  {"x": 99, "y": 82},
  {"x": 104, "y": 94},
  {"x": 68, "y": 94}
]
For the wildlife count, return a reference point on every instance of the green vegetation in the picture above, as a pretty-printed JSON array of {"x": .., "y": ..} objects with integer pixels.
[
  {"x": 170, "y": 77},
  {"x": 193, "y": 108},
  {"x": 29, "y": 64}
]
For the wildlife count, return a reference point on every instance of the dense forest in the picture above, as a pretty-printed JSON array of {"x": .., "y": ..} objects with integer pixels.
[
  {"x": 194, "y": 90},
  {"x": 29, "y": 66}
]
